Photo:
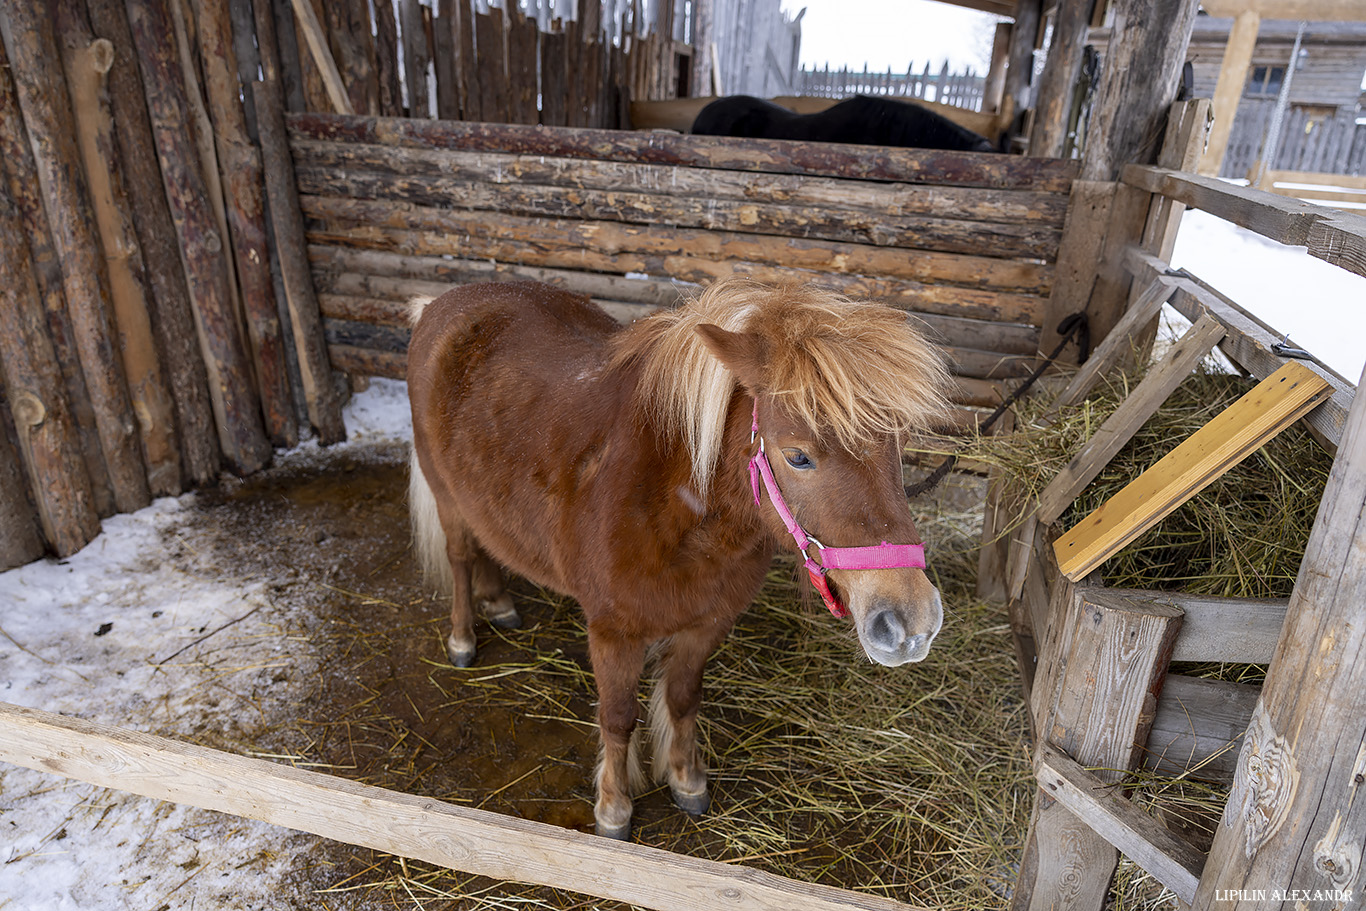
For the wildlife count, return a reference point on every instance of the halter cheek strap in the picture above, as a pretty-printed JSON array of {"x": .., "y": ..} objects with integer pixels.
[{"x": 878, "y": 556}]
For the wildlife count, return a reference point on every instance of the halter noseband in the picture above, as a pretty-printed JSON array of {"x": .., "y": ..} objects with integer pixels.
[{"x": 877, "y": 556}]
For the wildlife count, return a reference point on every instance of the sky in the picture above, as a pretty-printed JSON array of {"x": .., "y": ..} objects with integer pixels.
[{"x": 893, "y": 33}]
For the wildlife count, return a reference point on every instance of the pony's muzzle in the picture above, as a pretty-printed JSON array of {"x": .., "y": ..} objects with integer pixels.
[{"x": 894, "y": 634}]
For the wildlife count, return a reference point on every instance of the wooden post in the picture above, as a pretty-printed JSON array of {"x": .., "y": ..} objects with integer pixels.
[
  {"x": 993, "y": 92},
  {"x": 20, "y": 541},
  {"x": 242, "y": 181},
  {"x": 236, "y": 406},
  {"x": 21, "y": 177},
  {"x": 171, "y": 311},
  {"x": 33, "y": 387},
  {"x": 1101, "y": 673},
  {"x": 1296, "y": 818},
  {"x": 1138, "y": 84},
  {"x": 1023, "y": 41},
  {"x": 47, "y": 112},
  {"x": 87, "y": 61},
  {"x": 320, "y": 392},
  {"x": 1059, "y": 78},
  {"x": 415, "y": 57},
  {"x": 1229, "y": 89}
]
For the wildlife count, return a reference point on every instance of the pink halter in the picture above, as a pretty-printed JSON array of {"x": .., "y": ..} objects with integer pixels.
[{"x": 877, "y": 556}]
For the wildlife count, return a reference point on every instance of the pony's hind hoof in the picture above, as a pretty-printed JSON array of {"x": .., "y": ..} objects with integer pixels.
[
  {"x": 502, "y": 613},
  {"x": 460, "y": 655},
  {"x": 617, "y": 833},
  {"x": 695, "y": 805}
]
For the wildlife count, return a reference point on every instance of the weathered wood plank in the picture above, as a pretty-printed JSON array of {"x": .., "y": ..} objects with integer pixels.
[
  {"x": 916, "y": 231},
  {"x": 970, "y": 203},
  {"x": 1137, "y": 835},
  {"x": 770, "y": 155},
  {"x": 322, "y": 56},
  {"x": 605, "y": 246},
  {"x": 924, "y": 298},
  {"x": 1105, "y": 669},
  {"x": 1236, "y": 630},
  {"x": 20, "y": 540},
  {"x": 1296, "y": 817},
  {"x": 1248, "y": 341},
  {"x": 1159, "y": 383},
  {"x": 1081, "y": 247},
  {"x": 1199, "y": 726},
  {"x": 474, "y": 841},
  {"x": 1228, "y": 438}
]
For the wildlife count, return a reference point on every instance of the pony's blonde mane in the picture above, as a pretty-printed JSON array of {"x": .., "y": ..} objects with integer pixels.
[{"x": 852, "y": 371}]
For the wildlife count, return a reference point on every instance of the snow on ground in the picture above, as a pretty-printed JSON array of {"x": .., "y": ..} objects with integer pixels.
[
  {"x": 1321, "y": 306},
  {"x": 141, "y": 629}
]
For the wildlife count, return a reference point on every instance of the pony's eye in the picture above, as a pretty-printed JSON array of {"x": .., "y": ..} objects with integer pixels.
[{"x": 798, "y": 459}]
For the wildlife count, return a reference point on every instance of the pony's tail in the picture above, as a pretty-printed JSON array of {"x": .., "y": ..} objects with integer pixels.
[{"x": 429, "y": 541}]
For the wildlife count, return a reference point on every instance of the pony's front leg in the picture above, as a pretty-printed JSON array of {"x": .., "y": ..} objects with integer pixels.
[
  {"x": 673, "y": 716},
  {"x": 617, "y": 663}
]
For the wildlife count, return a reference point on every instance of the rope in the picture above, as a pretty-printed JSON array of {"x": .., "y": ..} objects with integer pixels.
[{"x": 1071, "y": 327}]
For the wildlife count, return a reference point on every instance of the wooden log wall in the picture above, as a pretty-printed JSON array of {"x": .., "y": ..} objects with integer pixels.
[
  {"x": 395, "y": 208},
  {"x": 144, "y": 349}
]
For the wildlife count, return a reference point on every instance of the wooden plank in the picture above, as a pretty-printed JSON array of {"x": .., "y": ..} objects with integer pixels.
[
  {"x": 557, "y": 241},
  {"x": 1228, "y": 438},
  {"x": 1248, "y": 341},
  {"x": 967, "y": 169},
  {"x": 1115, "y": 347},
  {"x": 1160, "y": 381},
  {"x": 1228, "y": 89},
  {"x": 1106, "y": 667},
  {"x": 1199, "y": 727},
  {"x": 926, "y": 299},
  {"x": 422, "y": 828},
  {"x": 1236, "y": 630},
  {"x": 911, "y": 231},
  {"x": 322, "y": 56},
  {"x": 1298, "y": 816},
  {"x": 1140, "y": 837},
  {"x": 897, "y": 199},
  {"x": 1312, "y": 10}
]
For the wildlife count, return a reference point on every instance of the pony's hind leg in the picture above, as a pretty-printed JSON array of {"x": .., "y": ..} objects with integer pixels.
[
  {"x": 490, "y": 590},
  {"x": 674, "y": 706},
  {"x": 617, "y": 664},
  {"x": 445, "y": 549}
]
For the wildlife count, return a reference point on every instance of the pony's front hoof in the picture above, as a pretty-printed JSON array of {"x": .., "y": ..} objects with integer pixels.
[
  {"x": 502, "y": 613},
  {"x": 618, "y": 833},
  {"x": 695, "y": 805},
  {"x": 461, "y": 655}
]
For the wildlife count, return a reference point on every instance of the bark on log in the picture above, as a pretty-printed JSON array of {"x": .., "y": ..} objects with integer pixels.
[
  {"x": 47, "y": 112},
  {"x": 915, "y": 231},
  {"x": 963, "y": 169},
  {"x": 20, "y": 540},
  {"x": 171, "y": 311},
  {"x": 242, "y": 181},
  {"x": 87, "y": 62},
  {"x": 575, "y": 243},
  {"x": 33, "y": 383},
  {"x": 320, "y": 392},
  {"x": 236, "y": 405},
  {"x": 21, "y": 177}
]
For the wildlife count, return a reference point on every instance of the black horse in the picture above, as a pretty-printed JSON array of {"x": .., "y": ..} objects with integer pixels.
[{"x": 862, "y": 120}]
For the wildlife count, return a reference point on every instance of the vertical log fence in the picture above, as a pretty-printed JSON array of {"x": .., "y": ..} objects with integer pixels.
[{"x": 160, "y": 320}]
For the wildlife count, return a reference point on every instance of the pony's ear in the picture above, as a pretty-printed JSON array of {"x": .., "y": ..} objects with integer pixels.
[{"x": 741, "y": 352}]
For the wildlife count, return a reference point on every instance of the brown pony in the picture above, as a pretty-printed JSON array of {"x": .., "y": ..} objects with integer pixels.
[{"x": 611, "y": 465}]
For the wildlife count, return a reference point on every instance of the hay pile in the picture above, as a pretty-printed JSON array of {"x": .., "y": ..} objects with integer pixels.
[{"x": 1243, "y": 536}]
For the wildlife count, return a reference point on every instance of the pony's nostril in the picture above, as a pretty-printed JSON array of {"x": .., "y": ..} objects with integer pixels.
[{"x": 885, "y": 630}]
